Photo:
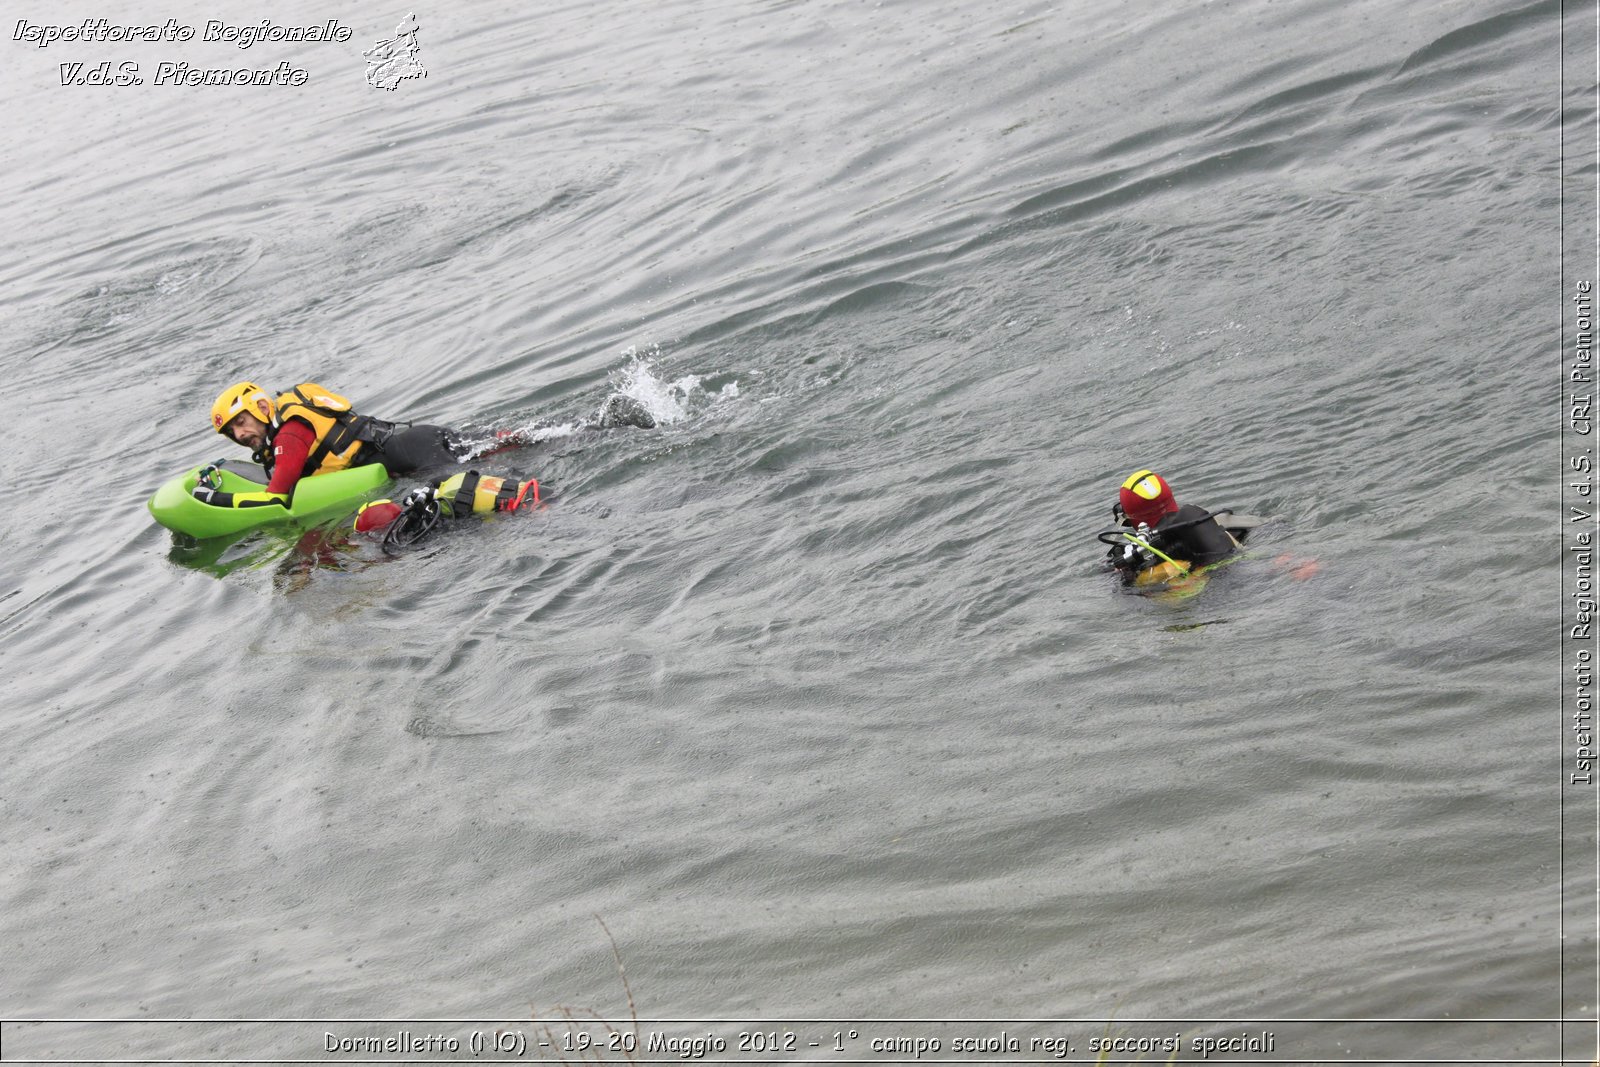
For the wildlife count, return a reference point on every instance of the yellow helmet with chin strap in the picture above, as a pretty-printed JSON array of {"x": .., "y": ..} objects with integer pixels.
[{"x": 236, "y": 399}]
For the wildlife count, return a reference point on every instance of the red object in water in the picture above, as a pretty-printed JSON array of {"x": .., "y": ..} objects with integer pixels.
[
  {"x": 377, "y": 516},
  {"x": 1299, "y": 569},
  {"x": 1146, "y": 497}
]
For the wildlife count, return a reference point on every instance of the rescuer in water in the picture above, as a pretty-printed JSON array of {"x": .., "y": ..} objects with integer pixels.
[
  {"x": 311, "y": 430},
  {"x": 1186, "y": 537}
]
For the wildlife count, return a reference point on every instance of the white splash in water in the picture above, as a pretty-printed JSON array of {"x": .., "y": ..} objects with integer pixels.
[
  {"x": 666, "y": 401},
  {"x": 637, "y": 385},
  {"x": 477, "y": 446}
]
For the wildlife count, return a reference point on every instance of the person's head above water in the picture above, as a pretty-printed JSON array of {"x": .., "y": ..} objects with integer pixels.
[
  {"x": 1146, "y": 497},
  {"x": 243, "y": 413}
]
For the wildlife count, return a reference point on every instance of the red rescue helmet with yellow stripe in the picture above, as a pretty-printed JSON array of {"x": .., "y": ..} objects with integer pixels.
[
  {"x": 1146, "y": 497},
  {"x": 240, "y": 398}
]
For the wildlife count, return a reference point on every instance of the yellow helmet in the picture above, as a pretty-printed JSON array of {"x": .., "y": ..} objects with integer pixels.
[{"x": 237, "y": 398}]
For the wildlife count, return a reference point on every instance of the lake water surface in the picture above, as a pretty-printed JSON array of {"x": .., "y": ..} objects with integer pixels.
[{"x": 816, "y": 694}]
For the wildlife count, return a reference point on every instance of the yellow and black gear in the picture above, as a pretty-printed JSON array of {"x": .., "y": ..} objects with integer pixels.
[
  {"x": 342, "y": 435},
  {"x": 217, "y": 498},
  {"x": 470, "y": 493},
  {"x": 458, "y": 496}
]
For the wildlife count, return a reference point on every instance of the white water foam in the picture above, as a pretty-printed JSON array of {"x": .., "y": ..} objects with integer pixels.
[
  {"x": 637, "y": 380},
  {"x": 668, "y": 402}
]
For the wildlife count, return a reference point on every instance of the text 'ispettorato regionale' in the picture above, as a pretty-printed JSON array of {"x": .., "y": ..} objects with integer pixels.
[{"x": 101, "y": 31}]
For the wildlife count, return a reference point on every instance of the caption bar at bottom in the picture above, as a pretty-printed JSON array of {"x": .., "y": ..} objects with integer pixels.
[{"x": 810, "y": 1041}]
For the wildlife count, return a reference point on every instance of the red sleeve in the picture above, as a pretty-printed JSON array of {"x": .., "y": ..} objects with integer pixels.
[{"x": 290, "y": 447}]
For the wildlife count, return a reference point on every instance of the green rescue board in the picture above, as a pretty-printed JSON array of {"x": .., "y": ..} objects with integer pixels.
[{"x": 175, "y": 509}]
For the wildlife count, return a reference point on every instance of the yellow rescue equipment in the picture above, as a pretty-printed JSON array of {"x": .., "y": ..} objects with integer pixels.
[
  {"x": 341, "y": 433},
  {"x": 458, "y": 496},
  {"x": 471, "y": 493}
]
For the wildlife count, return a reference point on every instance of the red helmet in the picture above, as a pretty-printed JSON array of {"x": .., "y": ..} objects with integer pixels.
[
  {"x": 376, "y": 515},
  {"x": 1146, "y": 497}
]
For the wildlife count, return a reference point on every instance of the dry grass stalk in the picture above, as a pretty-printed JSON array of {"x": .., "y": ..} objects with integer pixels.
[{"x": 578, "y": 1020}]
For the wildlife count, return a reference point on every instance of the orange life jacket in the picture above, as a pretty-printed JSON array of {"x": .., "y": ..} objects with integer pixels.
[{"x": 341, "y": 434}]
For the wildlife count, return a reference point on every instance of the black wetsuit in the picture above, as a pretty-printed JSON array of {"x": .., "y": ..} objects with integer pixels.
[
  {"x": 1189, "y": 534},
  {"x": 413, "y": 448}
]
